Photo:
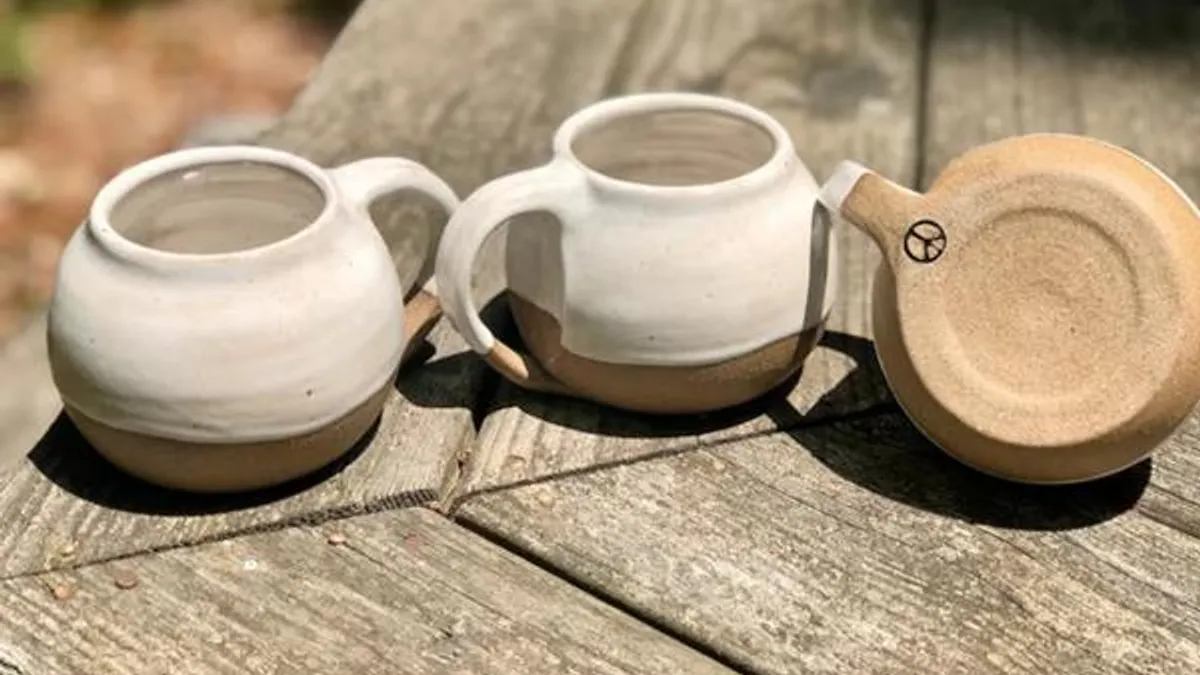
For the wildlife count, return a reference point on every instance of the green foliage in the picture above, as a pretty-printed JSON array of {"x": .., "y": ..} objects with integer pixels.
[
  {"x": 323, "y": 10},
  {"x": 12, "y": 55},
  {"x": 328, "y": 13},
  {"x": 331, "y": 14},
  {"x": 15, "y": 14},
  {"x": 29, "y": 6}
]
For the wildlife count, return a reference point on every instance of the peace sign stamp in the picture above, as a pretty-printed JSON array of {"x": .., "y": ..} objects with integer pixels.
[{"x": 925, "y": 241}]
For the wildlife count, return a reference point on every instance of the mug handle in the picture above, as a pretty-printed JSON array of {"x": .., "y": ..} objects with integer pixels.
[
  {"x": 884, "y": 210},
  {"x": 551, "y": 188},
  {"x": 361, "y": 183}
]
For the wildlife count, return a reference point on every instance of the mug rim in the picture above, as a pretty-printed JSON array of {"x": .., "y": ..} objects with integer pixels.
[
  {"x": 783, "y": 155},
  {"x": 131, "y": 178}
]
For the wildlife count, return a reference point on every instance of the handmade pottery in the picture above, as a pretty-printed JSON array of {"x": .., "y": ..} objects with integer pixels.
[
  {"x": 1037, "y": 313},
  {"x": 686, "y": 271},
  {"x": 229, "y": 318}
]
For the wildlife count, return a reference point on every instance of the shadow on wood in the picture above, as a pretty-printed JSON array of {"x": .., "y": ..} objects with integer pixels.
[
  {"x": 886, "y": 454},
  {"x": 65, "y": 458},
  {"x": 881, "y": 451},
  {"x": 422, "y": 382}
]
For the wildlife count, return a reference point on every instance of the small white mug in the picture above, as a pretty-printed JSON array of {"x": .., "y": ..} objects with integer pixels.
[
  {"x": 689, "y": 268},
  {"x": 230, "y": 318}
]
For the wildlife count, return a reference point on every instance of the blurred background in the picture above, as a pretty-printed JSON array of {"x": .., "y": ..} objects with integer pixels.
[{"x": 88, "y": 87}]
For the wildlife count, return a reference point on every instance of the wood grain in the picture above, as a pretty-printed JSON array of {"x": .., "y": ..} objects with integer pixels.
[
  {"x": 469, "y": 89},
  {"x": 399, "y": 592},
  {"x": 857, "y": 547},
  {"x": 842, "y": 77}
]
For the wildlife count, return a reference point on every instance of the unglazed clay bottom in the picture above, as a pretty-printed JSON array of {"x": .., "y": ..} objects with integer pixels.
[
  {"x": 228, "y": 467},
  {"x": 1040, "y": 465},
  {"x": 661, "y": 389}
]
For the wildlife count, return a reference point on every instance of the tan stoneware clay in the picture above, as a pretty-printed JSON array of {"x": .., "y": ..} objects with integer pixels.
[
  {"x": 1038, "y": 310},
  {"x": 230, "y": 318},
  {"x": 683, "y": 269}
]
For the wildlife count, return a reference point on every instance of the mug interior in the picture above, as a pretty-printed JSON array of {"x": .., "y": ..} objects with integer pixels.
[
  {"x": 218, "y": 207},
  {"x": 674, "y": 147}
]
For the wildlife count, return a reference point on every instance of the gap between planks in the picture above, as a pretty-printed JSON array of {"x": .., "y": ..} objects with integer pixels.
[
  {"x": 596, "y": 591},
  {"x": 312, "y": 519}
]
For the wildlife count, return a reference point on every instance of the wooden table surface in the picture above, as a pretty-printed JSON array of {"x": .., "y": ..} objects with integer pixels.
[{"x": 486, "y": 530}]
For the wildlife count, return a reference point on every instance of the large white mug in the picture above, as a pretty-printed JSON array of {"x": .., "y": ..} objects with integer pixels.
[
  {"x": 687, "y": 268},
  {"x": 230, "y": 318}
]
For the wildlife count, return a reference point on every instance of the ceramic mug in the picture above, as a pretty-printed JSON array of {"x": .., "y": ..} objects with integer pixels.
[
  {"x": 686, "y": 268},
  {"x": 230, "y": 318},
  {"x": 1037, "y": 314}
]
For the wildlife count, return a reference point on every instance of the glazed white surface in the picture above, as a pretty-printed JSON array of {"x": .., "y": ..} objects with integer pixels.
[
  {"x": 259, "y": 344},
  {"x": 689, "y": 287},
  {"x": 652, "y": 275}
]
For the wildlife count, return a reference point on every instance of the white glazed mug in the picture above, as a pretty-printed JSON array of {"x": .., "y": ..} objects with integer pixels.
[
  {"x": 687, "y": 268},
  {"x": 230, "y": 318}
]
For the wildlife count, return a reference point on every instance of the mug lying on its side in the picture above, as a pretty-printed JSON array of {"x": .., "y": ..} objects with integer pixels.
[{"x": 1037, "y": 314}]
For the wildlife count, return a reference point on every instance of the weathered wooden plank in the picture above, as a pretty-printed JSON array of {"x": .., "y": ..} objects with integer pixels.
[
  {"x": 462, "y": 87},
  {"x": 859, "y": 548},
  {"x": 842, "y": 77},
  {"x": 398, "y": 592},
  {"x": 1176, "y": 499}
]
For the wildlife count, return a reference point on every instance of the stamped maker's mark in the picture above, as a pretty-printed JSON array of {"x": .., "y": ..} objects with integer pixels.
[{"x": 925, "y": 241}]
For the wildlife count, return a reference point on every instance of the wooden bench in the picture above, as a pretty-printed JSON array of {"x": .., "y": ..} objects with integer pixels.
[{"x": 487, "y": 530}]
